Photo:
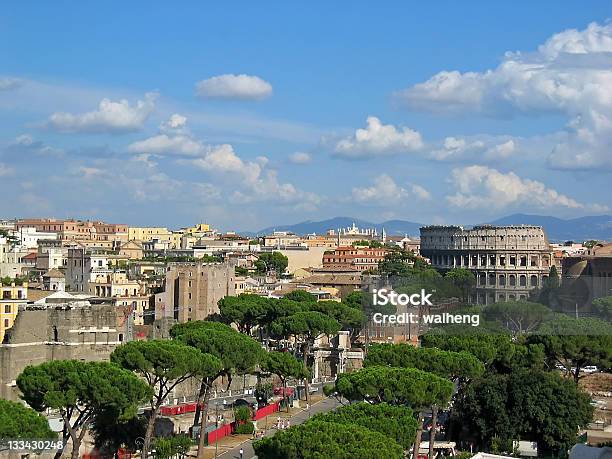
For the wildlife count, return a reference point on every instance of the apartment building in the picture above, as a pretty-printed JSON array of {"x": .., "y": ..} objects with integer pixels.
[
  {"x": 358, "y": 258},
  {"x": 172, "y": 240},
  {"x": 89, "y": 232},
  {"x": 11, "y": 298}
]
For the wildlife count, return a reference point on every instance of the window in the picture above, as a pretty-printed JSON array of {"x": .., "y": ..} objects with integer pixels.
[
  {"x": 523, "y": 281},
  {"x": 6, "y": 323},
  {"x": 7, "y": 308}
]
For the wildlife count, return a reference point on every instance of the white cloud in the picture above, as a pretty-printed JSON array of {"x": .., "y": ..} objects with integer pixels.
[
  {"x": 175, "y": 123},
  {"x": 420, "y": 192},
  {"x": 249, "y": 180},
  {"x": 378, "y": 139},
  {"x": 473, "y": 149},
  {"x": 111, "y": 117},
  {"x": 237, "y": 87},
  {"x": 7, "y": 83},
  {"x": 481, "y": 187},
  {"x": 163, "y": 144},
  {"x": 385, "y": 190},
  {"x": 570, "y": 74},
  {"x": 300, "y": 157}
]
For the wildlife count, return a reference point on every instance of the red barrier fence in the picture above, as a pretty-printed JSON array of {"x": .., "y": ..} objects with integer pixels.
[
  {"x": 229, "y": 429},
  {"x": 178, "y": 409},
  {"x": 266, "y": 410},
  {"x": 221, "y": 432}
]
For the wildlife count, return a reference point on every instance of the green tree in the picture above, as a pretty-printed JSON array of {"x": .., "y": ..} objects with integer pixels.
[
  {"x": 396, "y": 422},
  {"x": 284, "y": 365},
  {"x": 576, "y": 343},
  {"x": 163, "y": 365},
  {"x": 301, "y": 296},
  {"x": 405, "y": 386},
  {"x": 79, "y": 391},
  {"x": 316, "y": 439},
  {"x": 496, "y": 349},
  {"x": 18, "y": 421},
  {"x": 236, "y": 352},
  {"x": 531, "y": 405},
  {"x": 169, "y": 447},
  {"x": 263, "y": 393},
  {"x": 110, "y": 433},
  {"x": 464, "y": 280},
  {"x": 350, "y": 319},
  {"x": 354, "y": 300},
  {"x": 446, "y": 364},
  {"x": 397, "y": 263},
  {"x": 518, "y": 317},
  {"x": 245, "y": 310},
  {"x": 272, "y": 261},
  {"x": 603, "y": 307},
  {"x": 305, "y": 327}
]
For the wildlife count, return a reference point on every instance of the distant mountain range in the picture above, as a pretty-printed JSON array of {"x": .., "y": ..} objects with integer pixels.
[
  {"x": 576, "y": 229},
  {"x": 597, "y": 227}
]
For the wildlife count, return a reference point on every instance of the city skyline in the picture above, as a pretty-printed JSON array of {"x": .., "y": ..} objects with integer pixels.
[{"x": 253, "y": 118}]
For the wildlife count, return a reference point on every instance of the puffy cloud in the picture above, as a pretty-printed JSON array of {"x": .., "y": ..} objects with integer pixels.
[
  {"x": 570, "y": 74},
  {"x": 176, "y": 123},
  {"x": 300, "y": 157},
  {"x": 111, "y": 117},
  {"x": 386, "y": 190},
  {"x": 378, "y": 139},
  {"x": 237, "y": 87},
  {"x": 483, "y": 187},
  {"x": 163, "y": 144},
  {"x": 250, "y": 180},
  {"x": 7, "y": 83}
]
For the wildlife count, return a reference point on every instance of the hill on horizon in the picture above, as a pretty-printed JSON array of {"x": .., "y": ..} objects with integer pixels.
[{"x": 597, "y": 227}]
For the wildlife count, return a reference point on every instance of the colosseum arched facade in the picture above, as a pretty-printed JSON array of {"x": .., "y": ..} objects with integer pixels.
[{"x": 507, "y": 261}]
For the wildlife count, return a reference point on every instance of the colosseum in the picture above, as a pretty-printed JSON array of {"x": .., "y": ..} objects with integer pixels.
[{"x": 507, "y": 261}]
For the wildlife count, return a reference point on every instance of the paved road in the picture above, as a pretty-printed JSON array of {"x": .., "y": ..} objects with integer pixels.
[{"x": 327, "y": 404}]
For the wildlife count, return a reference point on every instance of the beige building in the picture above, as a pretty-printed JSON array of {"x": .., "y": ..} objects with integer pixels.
[
  {"x": 132, "y": 250},
  {"x": 194, "y": 289},
  {"x": 507, "y": 261},
  {"x": 90, "y": 233},
  {"x": 303, "y": 257},
  {"x": 11, "y": 298},
  {"x": 130, "y": 295},
  {"x": 160, "y": 234}
]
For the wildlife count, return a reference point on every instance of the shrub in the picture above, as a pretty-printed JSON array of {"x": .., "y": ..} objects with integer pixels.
[{"x": 247, "y": 428}]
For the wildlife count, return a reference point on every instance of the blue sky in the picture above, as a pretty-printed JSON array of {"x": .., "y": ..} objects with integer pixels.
[{"x": 248, "y": 115}]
